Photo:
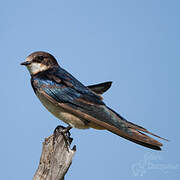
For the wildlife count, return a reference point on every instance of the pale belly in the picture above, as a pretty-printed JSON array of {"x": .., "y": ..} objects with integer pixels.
[{"x": 61, "y": 114}]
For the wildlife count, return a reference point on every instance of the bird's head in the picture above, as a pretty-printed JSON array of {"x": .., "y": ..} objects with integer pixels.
[{"x": 39, "y": 61}]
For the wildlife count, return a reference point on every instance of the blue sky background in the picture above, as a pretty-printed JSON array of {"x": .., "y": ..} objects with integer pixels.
[{"x": 134, "y": 43}]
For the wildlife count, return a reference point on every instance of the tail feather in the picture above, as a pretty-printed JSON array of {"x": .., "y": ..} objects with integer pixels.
[
  {"x": 139, "y": 138},
  {"x": 137, "y": 135},
  {"x": 149, "y": 144},
  {"x": 134, "y": 126}
]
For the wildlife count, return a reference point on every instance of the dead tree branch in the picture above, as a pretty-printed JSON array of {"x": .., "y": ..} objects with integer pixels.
[{"x": 56, "y": 156}]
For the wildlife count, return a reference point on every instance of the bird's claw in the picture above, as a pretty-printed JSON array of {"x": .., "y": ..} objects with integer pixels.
[{"x": 66, "y": 134}]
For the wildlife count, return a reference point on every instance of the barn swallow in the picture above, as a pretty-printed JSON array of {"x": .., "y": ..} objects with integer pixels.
[{"x": 77, "y": 105}]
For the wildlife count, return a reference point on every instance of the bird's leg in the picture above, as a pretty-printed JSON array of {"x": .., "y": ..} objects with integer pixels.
[
  {"x": 67, "y": 129},
  {"x": 66, "y": 134}
]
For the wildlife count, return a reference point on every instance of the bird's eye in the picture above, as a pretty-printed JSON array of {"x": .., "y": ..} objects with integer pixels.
[{"x": 40, "y": 58}]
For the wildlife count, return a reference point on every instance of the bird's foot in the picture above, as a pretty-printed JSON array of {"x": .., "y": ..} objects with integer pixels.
[
  {"x": 67, "y": 129},
  {"x": 66, "y": 134}
]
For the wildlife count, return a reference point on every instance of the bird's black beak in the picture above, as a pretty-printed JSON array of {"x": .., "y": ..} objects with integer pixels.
[{"x": 25, "y": 63}]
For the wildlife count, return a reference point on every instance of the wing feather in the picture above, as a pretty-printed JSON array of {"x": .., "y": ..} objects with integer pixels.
[
  {"x": 127, "y": 133},
  {"x": 100, "y": 88},
  {"x": 62, "y": 89}
]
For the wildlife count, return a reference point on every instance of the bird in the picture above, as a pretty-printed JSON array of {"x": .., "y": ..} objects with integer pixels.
[{"x": 78, "y": 105}]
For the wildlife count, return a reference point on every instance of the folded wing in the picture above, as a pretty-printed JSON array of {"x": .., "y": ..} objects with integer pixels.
[{"x": 63, "y": 89}]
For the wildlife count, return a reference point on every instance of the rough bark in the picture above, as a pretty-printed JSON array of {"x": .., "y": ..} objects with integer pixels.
[{"x": 56, "y": 156}]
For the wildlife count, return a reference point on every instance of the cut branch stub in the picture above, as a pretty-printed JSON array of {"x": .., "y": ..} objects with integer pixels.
[{"x": 56, "y": 156}]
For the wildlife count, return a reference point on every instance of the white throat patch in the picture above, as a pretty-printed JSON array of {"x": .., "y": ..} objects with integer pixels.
[{"x": 35, "y": 68}]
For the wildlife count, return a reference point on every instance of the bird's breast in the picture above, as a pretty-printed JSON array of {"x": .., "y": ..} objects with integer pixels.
[{"x": 61, "y": 113}]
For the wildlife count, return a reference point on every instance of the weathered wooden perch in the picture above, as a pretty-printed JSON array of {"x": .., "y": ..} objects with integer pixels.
[{"x": 56, "y": 156}]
